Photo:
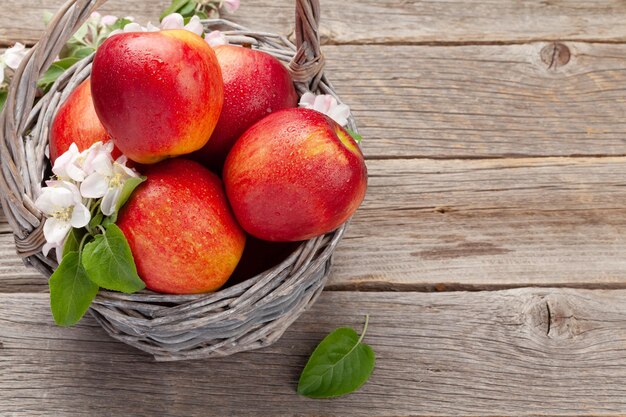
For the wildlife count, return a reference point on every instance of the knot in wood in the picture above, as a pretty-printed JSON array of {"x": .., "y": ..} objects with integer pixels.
[
  {"x": 555, "y": 55},
  {"x": 556, "y": 315}
]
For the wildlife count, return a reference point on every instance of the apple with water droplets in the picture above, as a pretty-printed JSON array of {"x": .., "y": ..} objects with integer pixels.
[
  {"x": 294, "y": 175},
  {"x": 158, "y": 94},
  {"x": 181, "y": 230},
  {"x": 256, "y": 84}
]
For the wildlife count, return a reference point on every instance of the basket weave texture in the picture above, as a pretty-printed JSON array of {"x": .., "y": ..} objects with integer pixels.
[{"x": 246, "y": 316}]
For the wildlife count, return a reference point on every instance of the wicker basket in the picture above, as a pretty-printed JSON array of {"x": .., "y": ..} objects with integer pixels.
[{"x": 246, "y": 316}]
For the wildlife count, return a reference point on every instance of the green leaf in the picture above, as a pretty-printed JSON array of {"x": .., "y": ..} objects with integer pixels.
[
  {"x": 202, "y": 14},
  {"x": 3, "y": 98},
  {"x": 71, "y": 291},
  {"x": 96, "y": 220},
  {"x": 188, "y": 9},
  {"x": 109, "y": 262},
  {"x": 55, "y": 71},
  {"x": 175, "y": 7},
  {"x": 47, "y": 17},
  {"x": 129, "y": 186},
  {"x": 340, "y": 364},
  {"x": 81, "y": 32},
  {"x": 72, "y": 244},
  {"x": 119, "y": 24},
  {"x": 357, "y": 138},
  {"x": 82, "y": 52}
]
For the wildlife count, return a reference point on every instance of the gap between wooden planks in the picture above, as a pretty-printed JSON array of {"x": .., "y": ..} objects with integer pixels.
[
  {"x": 514, "y": 352},
  {"x": 380, "y": 21},
  {"x": 468, "y": 224}
]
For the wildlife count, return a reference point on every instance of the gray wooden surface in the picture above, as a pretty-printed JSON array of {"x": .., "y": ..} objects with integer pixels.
[
  {"x": 496, "y": 147},
  {"x": 515, "y": 352}
]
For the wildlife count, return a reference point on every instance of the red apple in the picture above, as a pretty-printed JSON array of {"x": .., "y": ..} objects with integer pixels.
[
  {"x": 181, "y": 230},
  {"x": 158, "y": 94},
  {"x": 255, "y": 85},
  {"x": 294, "y": 175},
  {"x": 76, "y": 122}
]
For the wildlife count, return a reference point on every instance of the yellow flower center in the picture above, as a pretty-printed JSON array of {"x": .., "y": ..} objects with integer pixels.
[
  {"x": 64, "y": 214},
  {"x": 117, "y": 180}
]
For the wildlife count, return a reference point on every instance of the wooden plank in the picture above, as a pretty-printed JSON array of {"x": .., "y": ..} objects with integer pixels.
[
  {"x": 517, "y": 352},
  {"x": 382, "y": 21},
  {"x": 458, "y": 224},
  {"x": 14, "y": 275},
  {"x": 488, "y": 224},
  {"x": 484, "y": 101}
]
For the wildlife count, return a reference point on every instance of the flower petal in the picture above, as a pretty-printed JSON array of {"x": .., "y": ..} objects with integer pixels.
[
  {"x": 94, "y": 186},
  {"x": 231, "y": 5},
  {"x": 307, "y": 100},
  {"x": 120, "y": 168},
  {"x": 322, "y": 103},
  {"x": 173, "y": 21},
  {"x": 108, "y": 20},
  {"x": 61, "y": 197},
  {"x": 195, "y": 26},
  {"x": 55, "y": 230},
  {"x": 102, "y": 163},
  {"x": 216, "y": 38},
  {"x": 340, "y": 114},
  {"x": 44, "y": 202},
  {"x": 133, "y": 27},
  {"x": 46, "y": 248},
  {"x": 1, "y": 72},
  {"x": 69, "y": 186},
  {"x": 151, "y": 28},
  {"x": 80, "y": 216},
  {"x": 74, "y": 172},
  {"x": 110, "y": 201},
  {"x": 13, "y": 56}
]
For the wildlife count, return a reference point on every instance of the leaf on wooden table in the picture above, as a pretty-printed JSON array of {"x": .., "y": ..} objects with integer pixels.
[{"x": 340, "y": 364}]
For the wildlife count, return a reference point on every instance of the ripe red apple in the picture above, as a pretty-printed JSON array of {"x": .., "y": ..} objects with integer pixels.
[
  {"x": 181, "y": 230},
  {"x": 255, "y": 85},
  {"x": 76, "y": 122},
  {"x": 294, "y": 175},
  {"x": 158, "y": 94}
]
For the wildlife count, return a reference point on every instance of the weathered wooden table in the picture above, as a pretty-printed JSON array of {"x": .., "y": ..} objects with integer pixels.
[{"x": 489, "y": 252}]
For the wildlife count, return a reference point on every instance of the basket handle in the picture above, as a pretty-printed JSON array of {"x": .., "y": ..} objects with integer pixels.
[
  {"x": 16, "y": 191},
  {"x": 307, "y": 66}
]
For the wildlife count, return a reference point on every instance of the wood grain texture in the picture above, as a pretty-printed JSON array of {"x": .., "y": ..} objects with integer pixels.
[
  {"x": 460, "y": 224},
  {"x": 430, "y": 224},
  {"x": 484, "y": 101},
  {"x": 517, "y": 352},
  {"x": 386, "y": 21}
]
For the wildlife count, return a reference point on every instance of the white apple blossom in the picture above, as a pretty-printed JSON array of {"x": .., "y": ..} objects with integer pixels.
[
  {"x": 216, "y": 38},
  {"x": 231, "y": 5},
  {"x": 172, "y": 21},
  {"x": 69, "y": 166},
  {"x": 176, "y": 21},
  {"x": 107, "y": 181},
  {"x": 58, "y": 249},
  {"x": 63, "y": 206},
  {"x": 12, "y": 58},
  {"x": 327, "y": 104},
  {"x": 76, "y": 166},
  {"x": 108, "y": 20}
]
